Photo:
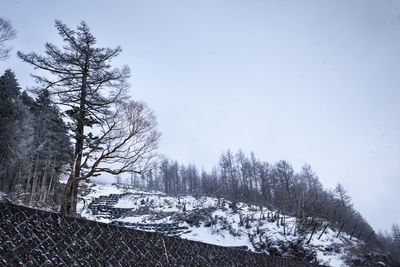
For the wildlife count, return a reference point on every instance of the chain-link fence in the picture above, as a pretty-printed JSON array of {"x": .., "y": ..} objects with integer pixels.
[{"x": 39, "y": 238}]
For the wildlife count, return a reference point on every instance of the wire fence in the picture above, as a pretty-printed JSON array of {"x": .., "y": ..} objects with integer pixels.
[{"x": 40, "y": 238}]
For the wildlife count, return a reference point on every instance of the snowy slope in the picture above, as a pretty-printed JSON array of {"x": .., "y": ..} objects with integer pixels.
[{"x": 219, "y": 222}]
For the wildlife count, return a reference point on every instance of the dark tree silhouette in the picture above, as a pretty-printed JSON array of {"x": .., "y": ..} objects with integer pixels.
[{"x": 82, "y": 79}]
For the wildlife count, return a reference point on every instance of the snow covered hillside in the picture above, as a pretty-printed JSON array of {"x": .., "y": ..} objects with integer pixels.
[{"x": 214, "y": 221}]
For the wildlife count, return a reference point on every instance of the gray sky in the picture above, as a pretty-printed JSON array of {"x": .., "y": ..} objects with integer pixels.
[{"x": 313, "y": 82}]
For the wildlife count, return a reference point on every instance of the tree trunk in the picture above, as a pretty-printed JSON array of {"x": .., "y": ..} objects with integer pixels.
[
  {"x": 34, "y": 179},
  {"x": 49, "y": 191},
  {"x": 68, "y": 207},
  {"x": 42, "y": 191},
  {"x": 29, "y": 176},
  {"x": 2, "y": 175}
]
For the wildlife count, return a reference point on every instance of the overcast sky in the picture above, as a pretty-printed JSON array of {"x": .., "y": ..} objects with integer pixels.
[{"x": 313, "y": 82}]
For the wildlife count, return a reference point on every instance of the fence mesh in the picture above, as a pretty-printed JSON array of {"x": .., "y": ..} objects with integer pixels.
[{"x": 39, "y": 238}]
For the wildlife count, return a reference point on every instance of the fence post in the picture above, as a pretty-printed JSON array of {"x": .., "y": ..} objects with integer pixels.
[
  {"x": 312, "y": 233},
  {"x": 323, "y": 230},
  {"x": 284, "y": 225},
  {"x": 340, "y": 230}
]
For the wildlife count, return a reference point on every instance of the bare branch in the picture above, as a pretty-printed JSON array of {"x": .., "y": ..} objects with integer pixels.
[
  {"x": 130, "y": 139},
  {"x": 7, "y": 33}
]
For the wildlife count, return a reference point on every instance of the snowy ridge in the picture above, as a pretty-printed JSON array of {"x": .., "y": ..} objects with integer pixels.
[{"x": 221, "y": 222}]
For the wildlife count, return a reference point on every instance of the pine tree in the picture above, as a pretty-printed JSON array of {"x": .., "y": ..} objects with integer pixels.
[
  {"x": 51, "y": 147},
  {"x": 15, "y": 133},
  {"x": 84, "y": 81},
  {"x": 396, "y": 235}
]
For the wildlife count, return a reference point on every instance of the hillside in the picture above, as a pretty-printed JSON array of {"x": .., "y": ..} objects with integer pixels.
[
  {"x": 215, "y": 221},
  {"x": 34, "y": 237}
]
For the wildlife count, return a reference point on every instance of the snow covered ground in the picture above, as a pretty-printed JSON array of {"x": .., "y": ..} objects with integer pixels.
[{"x": 221, "y": 223}]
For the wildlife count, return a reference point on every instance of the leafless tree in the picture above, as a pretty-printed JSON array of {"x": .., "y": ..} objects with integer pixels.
[
  {"x": 7, "y": 33},
  {"x": 128, "y": 141}
]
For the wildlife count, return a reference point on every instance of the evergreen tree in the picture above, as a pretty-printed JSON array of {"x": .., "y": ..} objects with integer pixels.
[
  {"x": 396, "y": 236},
  {"x": 51, "y": 147},
  {"x": 15, "y": 133}
]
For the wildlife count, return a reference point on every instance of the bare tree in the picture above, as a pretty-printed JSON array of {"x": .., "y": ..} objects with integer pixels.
[
  {"x": 82, "y": 79},
  {"x": 7, "y": 33},
  {"x": 129, "y": 139}
]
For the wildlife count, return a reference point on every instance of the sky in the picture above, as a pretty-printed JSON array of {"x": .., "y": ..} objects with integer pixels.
[{"x": 314, "y": 82}]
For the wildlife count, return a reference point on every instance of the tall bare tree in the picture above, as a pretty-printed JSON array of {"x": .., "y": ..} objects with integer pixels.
[{"x": 82, "y": 79}]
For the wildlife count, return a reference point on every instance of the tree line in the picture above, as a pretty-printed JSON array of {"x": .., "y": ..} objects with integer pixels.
[
  {"x": 278, "y": 186},
  {"x": 245, "y": 178}
]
